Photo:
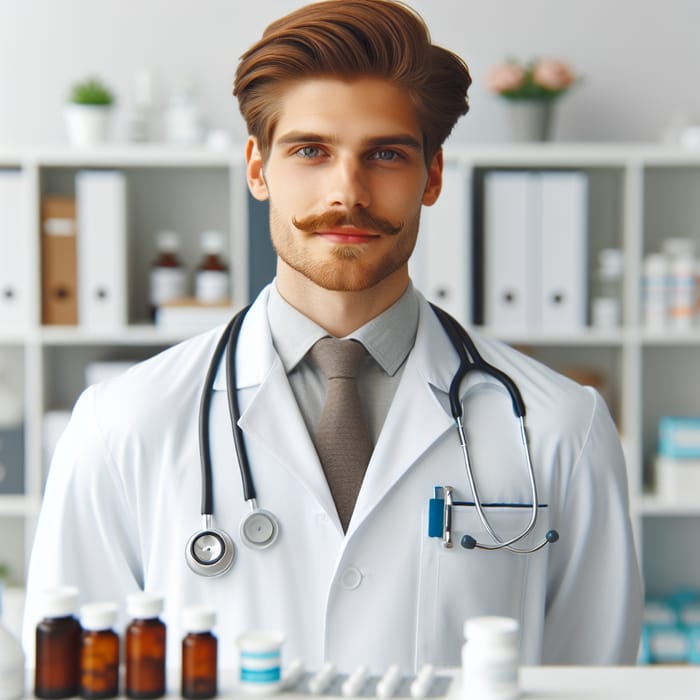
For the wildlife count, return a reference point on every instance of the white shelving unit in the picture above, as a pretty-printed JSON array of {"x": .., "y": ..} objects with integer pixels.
[{"x": 639, "y": 195}]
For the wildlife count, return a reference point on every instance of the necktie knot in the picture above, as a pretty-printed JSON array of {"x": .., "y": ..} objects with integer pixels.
[{"x": 338, "y": 358}]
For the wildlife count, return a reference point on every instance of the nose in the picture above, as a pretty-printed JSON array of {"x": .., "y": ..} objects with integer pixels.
[{"x": 348, "y": 186}]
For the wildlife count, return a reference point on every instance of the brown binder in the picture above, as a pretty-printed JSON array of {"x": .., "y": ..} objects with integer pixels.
[{"x": 59, "y": 297}]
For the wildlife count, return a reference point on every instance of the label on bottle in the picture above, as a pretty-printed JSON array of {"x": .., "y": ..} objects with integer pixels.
[
  {"x": 211, "y": 286},
  {"x": 166, "y": 284}
]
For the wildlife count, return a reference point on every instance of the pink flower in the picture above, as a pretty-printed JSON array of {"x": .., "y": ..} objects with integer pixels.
[
  {"x": 505, "y": 77},
  {"x": 552, "y": 74}
]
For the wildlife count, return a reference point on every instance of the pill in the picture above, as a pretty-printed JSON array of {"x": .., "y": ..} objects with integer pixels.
[{"x": 354, "y": 682}]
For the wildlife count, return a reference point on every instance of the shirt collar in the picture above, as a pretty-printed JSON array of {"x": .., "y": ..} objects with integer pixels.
[{"x": 388, "y": 337}]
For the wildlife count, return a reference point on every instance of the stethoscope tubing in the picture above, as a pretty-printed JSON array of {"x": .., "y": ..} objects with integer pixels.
[{"x": 471, "y": 360}]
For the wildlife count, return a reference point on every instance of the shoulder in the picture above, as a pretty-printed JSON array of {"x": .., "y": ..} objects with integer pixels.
[{"x": 548, "y": 394}]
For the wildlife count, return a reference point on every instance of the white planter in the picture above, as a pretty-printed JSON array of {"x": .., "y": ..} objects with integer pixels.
[{"x": 87, "y": 125}]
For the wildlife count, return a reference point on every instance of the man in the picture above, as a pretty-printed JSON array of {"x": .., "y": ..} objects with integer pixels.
[{"x": 347, "y": 104}]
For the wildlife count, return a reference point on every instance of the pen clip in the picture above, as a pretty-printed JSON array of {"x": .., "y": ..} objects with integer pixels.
[{"x": 447, "y": 517}]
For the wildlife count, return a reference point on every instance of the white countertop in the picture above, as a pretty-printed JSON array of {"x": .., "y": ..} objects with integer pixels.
[
  {"x": 542, "y": 683},
  {"x": 608, "y": 682}
]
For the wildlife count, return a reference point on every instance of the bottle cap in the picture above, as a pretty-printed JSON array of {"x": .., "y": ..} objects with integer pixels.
[
  {"x": 198, "y": 618},
  {"x": 168, "y": 241},
  {"x": 492, "y": 630},
  {"x": 212, "y": 242},
  {"x": 655, "y": 264},
  {"x": 144, "y": 606},
  {"x": 59, "y": 602},
  {"x": 611, "y": 261},
  {"x": 98, "y": 616}
]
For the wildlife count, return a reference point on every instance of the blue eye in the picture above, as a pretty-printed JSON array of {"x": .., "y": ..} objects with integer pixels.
[
  {"x": 385, "y": 155},
  {"x": 309, "y": 152}
]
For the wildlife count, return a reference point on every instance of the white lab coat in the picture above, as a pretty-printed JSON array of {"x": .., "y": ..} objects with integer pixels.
[{"x": 123, "y": 497}]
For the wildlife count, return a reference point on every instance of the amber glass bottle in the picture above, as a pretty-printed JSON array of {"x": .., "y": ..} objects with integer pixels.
[
  {"x": 211, "y": 280},
  {"x": 199, "y": 654},
  {"x": 56, "y": 673},
  {"x": 99, "y": 651},
  {"x": 145, "y": 647}
]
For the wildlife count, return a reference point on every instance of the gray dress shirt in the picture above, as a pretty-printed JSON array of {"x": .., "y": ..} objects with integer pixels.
[{"x": 388, "y": 339}]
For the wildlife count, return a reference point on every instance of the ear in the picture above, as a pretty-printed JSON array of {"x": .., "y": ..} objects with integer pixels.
[
  {"x": 434, "y": 184},
  {"x": 254, "y": 170}
]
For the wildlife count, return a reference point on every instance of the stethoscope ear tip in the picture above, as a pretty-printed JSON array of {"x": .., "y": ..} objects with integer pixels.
[{"x": 468, "y": 542}]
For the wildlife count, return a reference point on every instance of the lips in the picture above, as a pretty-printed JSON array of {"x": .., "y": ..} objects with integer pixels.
[{"x": 347, "y": 235}]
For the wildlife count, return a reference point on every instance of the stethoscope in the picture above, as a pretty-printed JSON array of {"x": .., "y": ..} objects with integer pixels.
[{"x": 211, "y": 551}]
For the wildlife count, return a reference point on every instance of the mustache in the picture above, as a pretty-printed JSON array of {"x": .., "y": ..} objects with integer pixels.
[{"x": 359, "y": 218}]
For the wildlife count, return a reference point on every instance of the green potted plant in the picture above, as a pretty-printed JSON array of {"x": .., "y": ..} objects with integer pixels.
[{"x": 88, "y": 112}]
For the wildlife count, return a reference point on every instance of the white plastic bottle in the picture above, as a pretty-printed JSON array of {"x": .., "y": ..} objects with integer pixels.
[
  {"x": 655, "y": 291},
  {"x": 11, "y": 663},
  {"x": 490, "y": 659},
  {"x": 683, "y": 292},
  {"x": 606, "y": 306}
]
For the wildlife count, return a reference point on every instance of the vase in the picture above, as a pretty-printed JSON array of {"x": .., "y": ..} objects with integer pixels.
[
  {"x": 87, "y": 125},
  {"x": 530, "y": 120}
]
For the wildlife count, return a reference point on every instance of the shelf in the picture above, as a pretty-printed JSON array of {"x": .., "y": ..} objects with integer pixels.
[
  {"x": 651, "y": 505},
  {"x": 18, "y": 506}
]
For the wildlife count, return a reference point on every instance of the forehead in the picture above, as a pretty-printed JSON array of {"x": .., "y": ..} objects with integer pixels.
[{"x": 362, "y": 108}]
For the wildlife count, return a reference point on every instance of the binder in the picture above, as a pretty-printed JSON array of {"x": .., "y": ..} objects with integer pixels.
[
  {"x": 15, "y": 276},
  {"x": 509, "y": 249},
  {"x": 560, "y": 281},
  {"x": 102, "y": 249},
  {"x": 441, "y": 265},
  {"x": 59, "y": 298}
]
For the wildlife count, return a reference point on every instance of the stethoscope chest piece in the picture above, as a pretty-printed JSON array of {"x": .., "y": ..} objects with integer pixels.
[
  {"x": 210, "y": 552},
  {"x": 259, "y": 529}
]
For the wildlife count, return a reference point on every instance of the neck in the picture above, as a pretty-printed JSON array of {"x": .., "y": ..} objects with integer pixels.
[{"x": 339, "y": 313}]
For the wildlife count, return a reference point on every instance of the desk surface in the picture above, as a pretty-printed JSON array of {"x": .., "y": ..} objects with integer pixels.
[
  {"x": 537, "y": 683},
  {"x": 608, "y": 683}
]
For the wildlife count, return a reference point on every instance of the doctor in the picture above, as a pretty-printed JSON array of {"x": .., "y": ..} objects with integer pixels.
[{"x": 347, "y": 105}]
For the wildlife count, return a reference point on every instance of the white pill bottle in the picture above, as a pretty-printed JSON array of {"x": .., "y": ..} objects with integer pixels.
[{"x": 490, "y": 658}]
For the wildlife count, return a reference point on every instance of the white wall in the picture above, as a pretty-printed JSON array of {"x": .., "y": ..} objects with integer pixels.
[{"x": 640, "y": 58}]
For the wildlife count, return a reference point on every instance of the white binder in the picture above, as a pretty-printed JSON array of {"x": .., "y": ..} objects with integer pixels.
[
  {"x": 15, "y": 277},
  {"x": 561, "y": 279},
  {"x": 441, "y": 265},
  {"x": 509, "y": 249},
  {"x": 102, "y": 249}
]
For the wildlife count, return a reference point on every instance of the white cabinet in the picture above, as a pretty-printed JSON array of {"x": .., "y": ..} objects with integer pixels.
[{"x": 637, "y": 197}]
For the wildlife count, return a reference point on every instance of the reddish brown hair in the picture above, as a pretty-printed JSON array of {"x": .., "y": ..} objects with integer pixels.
[{"x": 350, "y": 39}]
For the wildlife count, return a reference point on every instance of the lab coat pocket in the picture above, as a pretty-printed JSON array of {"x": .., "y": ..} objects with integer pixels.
[{"x": 459, "y": 583}]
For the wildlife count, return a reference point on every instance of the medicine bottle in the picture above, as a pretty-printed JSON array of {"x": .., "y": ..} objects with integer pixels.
[
  {"x": 168, "y": 277},
  {"x": 490, "y": 659},
  {"x": 11, "y": 663},
  {"x": 145, "y": 647},
  {"x": 655, "y": 291},
  {"x": 57, "y": 666},
  {"x": 606, "y": 306},
  {"x": 212, "y": 277},
  {"x": 99, "y": 651},
  {"x": 199, "y": 653}
]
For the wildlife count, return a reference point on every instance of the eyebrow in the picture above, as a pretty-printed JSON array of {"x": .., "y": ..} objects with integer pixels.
[{"x": 407, "y": 140}]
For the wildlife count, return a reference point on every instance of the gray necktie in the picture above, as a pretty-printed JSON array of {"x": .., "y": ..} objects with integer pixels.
[{"x": 342, "y": 436}]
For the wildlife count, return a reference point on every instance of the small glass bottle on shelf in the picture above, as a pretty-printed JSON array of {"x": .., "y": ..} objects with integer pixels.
[
  {"x": 145, "y": 647},
  {"x": 199, "y": 653},
  {"x": 167, "y": 277},
  {"x": 606, "y": 306},
  {"x": 99, "y": 651},
  {"x": 212, "y": 276},
  {"x": 57, "y": 666}
]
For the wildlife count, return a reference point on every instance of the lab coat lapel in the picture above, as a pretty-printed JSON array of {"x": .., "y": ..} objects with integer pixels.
[
  {"x": 416, "y": 419},
  {"x": 270, "y": 416}
]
